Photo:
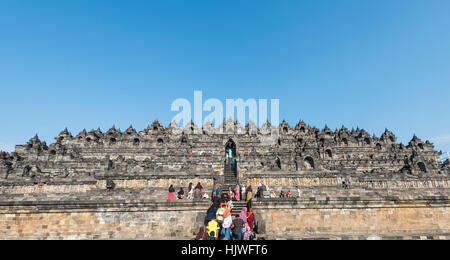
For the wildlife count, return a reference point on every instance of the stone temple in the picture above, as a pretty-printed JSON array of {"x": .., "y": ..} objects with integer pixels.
[{"x": 114, "y": 185}]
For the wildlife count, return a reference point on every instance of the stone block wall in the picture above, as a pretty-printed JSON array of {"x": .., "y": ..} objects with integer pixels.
[
  {"x": 290, "y": 180},
  {"x": 156, "y": 221},
  {"x": 83, "y": 187},
  {"x": 319, "y": 220}
]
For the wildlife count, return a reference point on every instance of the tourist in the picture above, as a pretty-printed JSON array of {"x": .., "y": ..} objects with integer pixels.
[
  {"x": 226, "y": 225},
  {"x": 230, "y": 193},
  {"x": 223, "y": 202},
  {"x": 199, "y": 186},
  {"x": 181, "y": 194},
  {"x": 212, "y": 235},
  {"x": 298, "y": 191},
  {"x": 244, "y": 229},
  {"x": 249, "y": 193},
  {"x": 249, "y": 204},
  {"x": 289, "y": 194},
  {"x": 248, "y": 234},
  {"x": 226, "y": 233},
  {"x": 201, "y": 235},
  {"x": 213, "y": 229},
  {"x": 171, "y": 191},
  {"x": 273, "y": 195},
  {"x": 218, "y": 190},
  {"x": 281, "y": 194},
  {"x": 210, "y": 214},
  {"x": 250, "y": 218},
  {"x": 191, "y": 194},
  {"x": 189, "y": 187},
  {"x": 237, "y": 226},
  {"x": 243, "y": 214},
  {"x": 227, "y": 213},
  {"x": 258, "y": 191},
  {"x": 237, "y": 192},
  {"x": 230, "y": 203},
  {"x": 243, "y": 193},
  {"x": 216, "y": 202},
  {"x": 219, "y": 214}
]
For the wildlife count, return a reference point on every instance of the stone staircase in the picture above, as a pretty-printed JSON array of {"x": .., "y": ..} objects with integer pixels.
[
  {"x": 230, "y": 175},
  {"x": 230, "y": 180},
  {"x": 237, "y": 207}
]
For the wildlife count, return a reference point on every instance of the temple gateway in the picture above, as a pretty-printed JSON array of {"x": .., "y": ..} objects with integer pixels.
[{"x": 114, "y": 184}]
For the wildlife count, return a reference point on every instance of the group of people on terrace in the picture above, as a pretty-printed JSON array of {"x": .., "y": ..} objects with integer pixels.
[
  {"x": 265, "y": 192},
  {"x": 191, "y": 193},
  {"x": 237, "y": 193}
]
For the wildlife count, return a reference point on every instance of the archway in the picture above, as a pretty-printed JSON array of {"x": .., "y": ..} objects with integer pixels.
[
  {"x": 309, "y": 163},
  {"x": 278, "y": 163},
  {"x": 422, "y": 167},
  {"x": 230, "y": 166},
  {"x": 329, "y": 154},
  {"x": 378, "y": 146},
  {"x": 231, "y": 145}
]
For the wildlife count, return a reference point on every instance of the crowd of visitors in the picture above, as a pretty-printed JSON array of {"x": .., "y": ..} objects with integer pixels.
[
  {"x": 221, "y": 225},
  {"x": 219, "y": 222}
]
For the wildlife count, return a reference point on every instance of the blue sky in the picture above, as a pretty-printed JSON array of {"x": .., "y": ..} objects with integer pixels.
[{"x": 88, "y": 64}]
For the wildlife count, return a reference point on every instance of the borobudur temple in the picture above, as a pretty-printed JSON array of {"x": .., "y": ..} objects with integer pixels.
[{"x": 113, "y": 184}]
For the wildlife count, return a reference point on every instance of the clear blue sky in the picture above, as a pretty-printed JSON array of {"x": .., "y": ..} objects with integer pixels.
[{"x": 85, "y": 64}]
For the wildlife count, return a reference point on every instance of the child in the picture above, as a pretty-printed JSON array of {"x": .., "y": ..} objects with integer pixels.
[
  {"x": 212, "y": 236},
  {"x": 248, "y": 234}
]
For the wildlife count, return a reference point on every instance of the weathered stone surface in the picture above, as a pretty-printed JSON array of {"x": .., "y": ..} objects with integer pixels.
[
  {"x": 297, "y": 222},
  {"x": 160, "y": 221},
  {"x": 157, "y": 151}
]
